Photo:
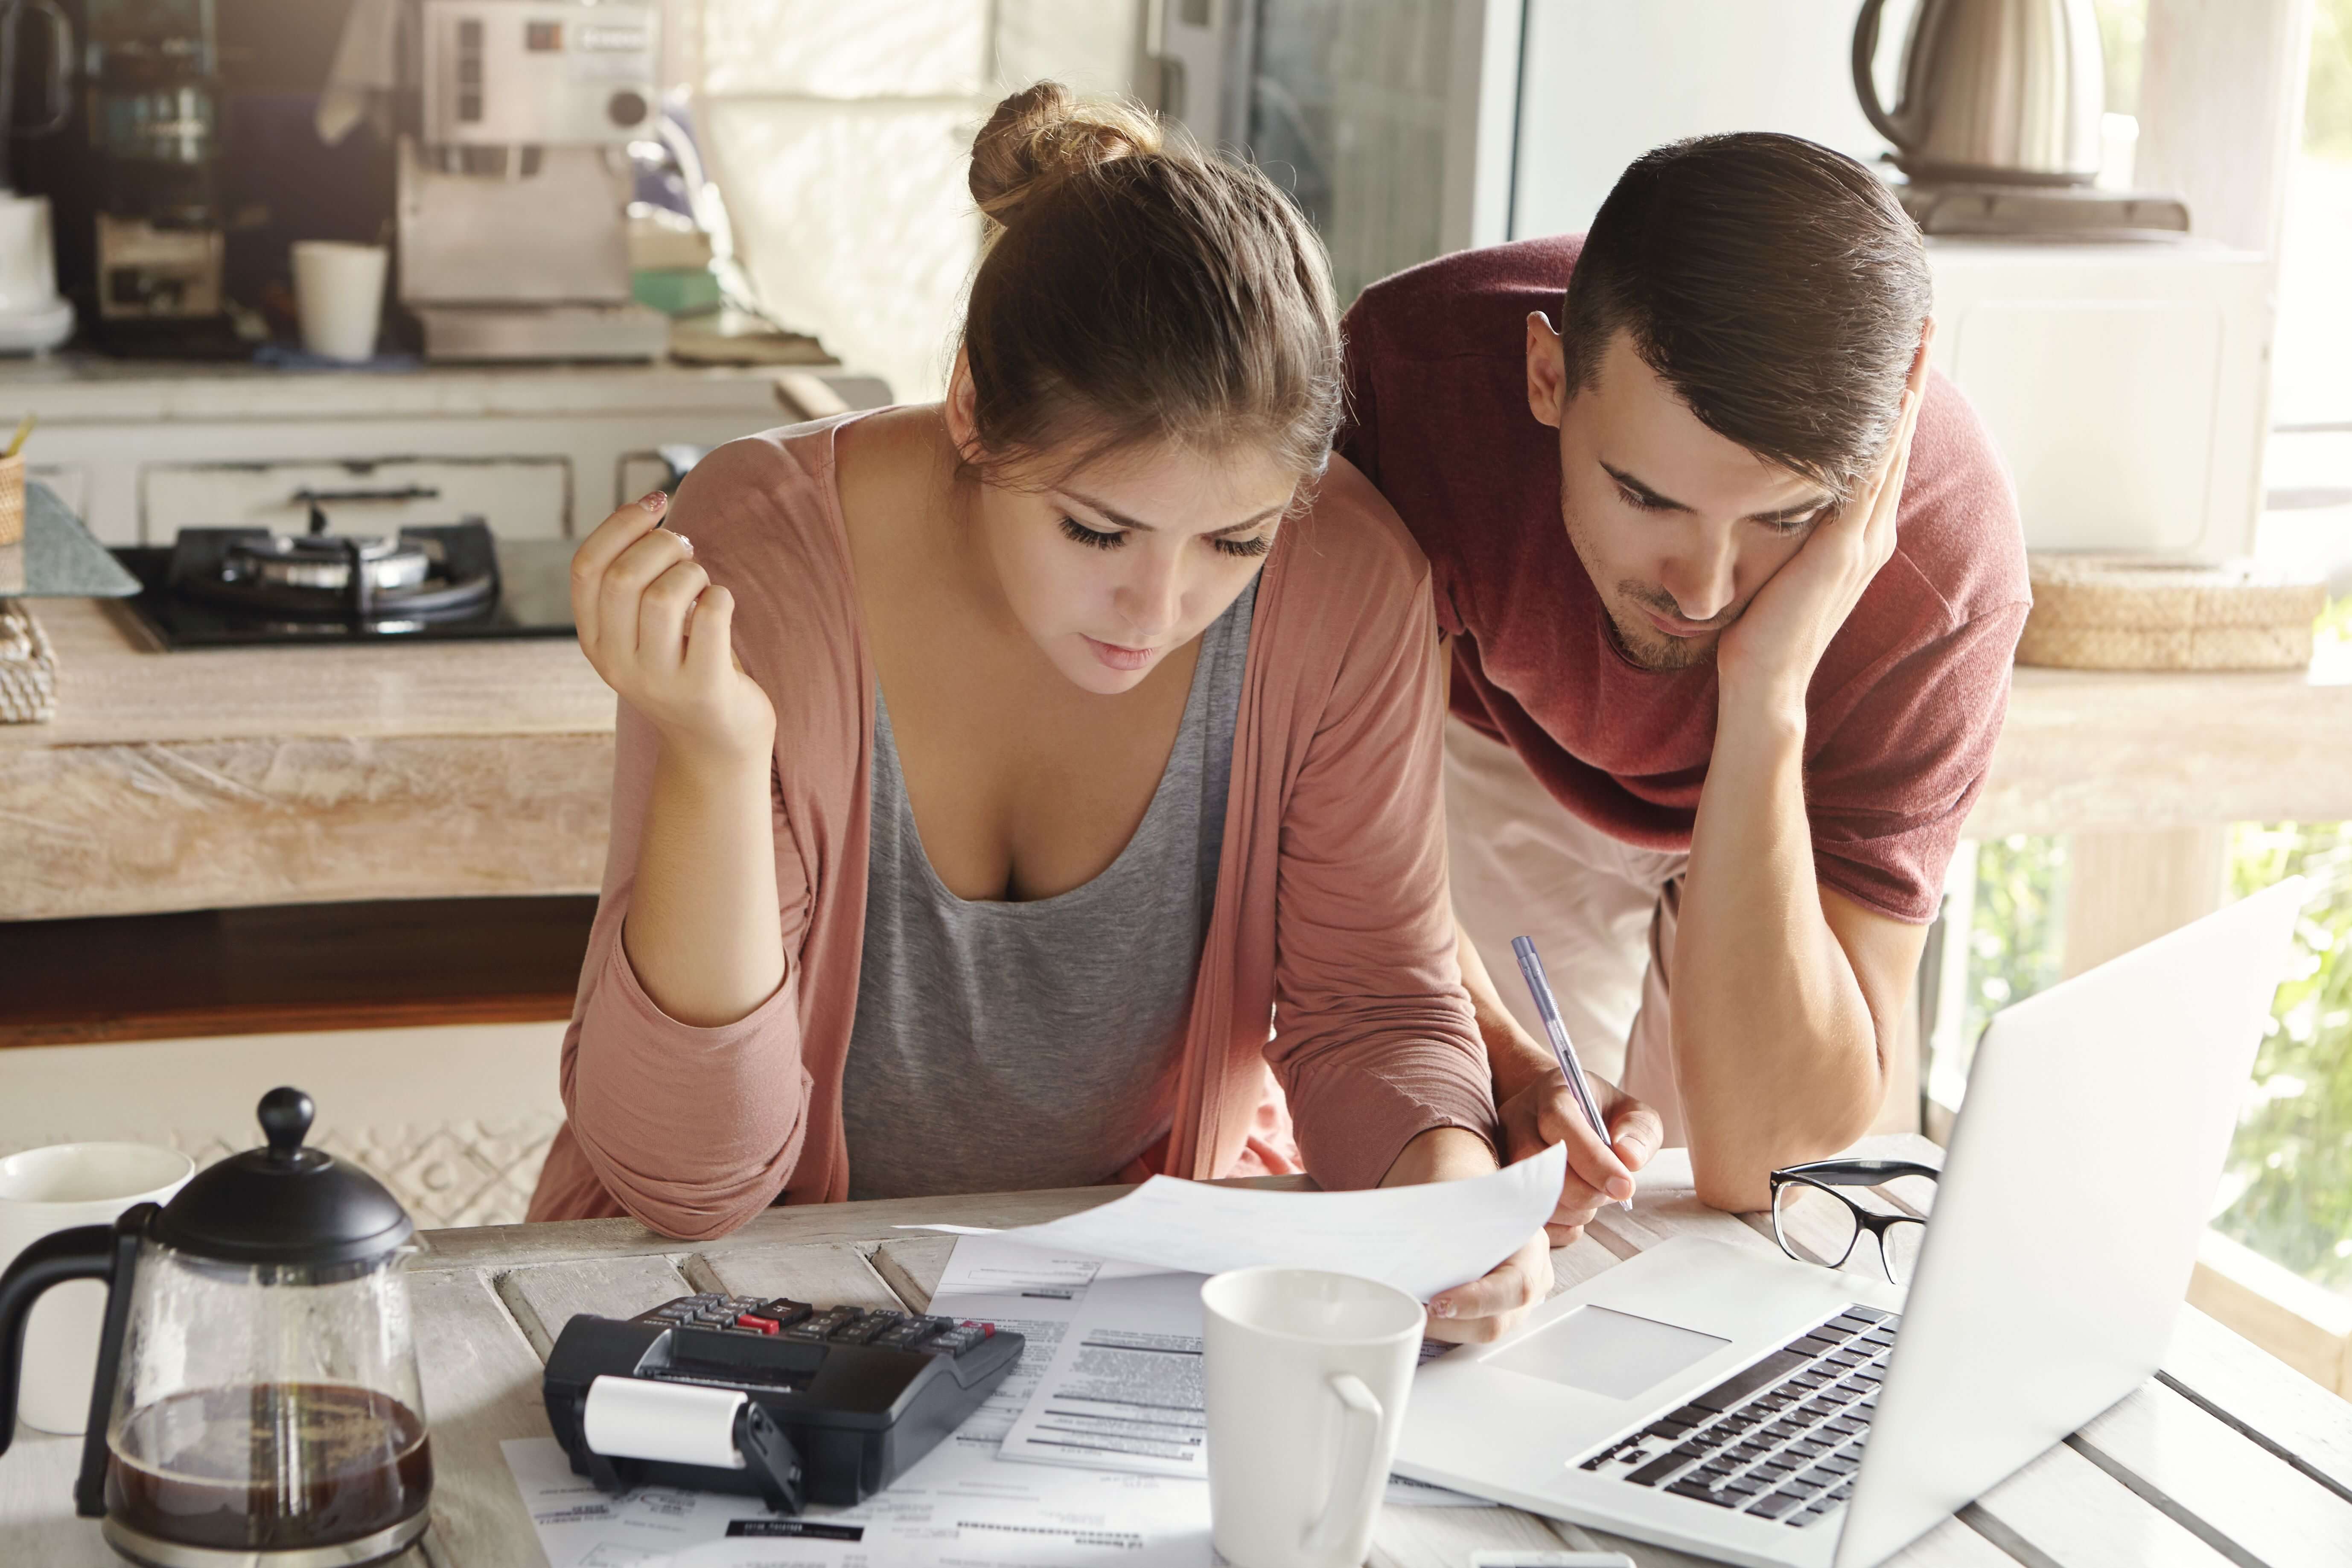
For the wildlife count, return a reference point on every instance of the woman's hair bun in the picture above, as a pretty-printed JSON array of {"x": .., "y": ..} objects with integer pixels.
[{"x": 1045, "y": 132}]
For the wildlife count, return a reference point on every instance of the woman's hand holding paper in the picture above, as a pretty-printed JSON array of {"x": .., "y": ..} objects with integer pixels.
[{"x": 1490, "y": 1306}]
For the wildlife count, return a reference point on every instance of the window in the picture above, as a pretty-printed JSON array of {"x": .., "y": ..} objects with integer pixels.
[{"x": 2287, "y": 1192}]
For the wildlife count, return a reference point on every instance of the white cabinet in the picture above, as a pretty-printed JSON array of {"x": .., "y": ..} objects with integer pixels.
[
  {"x": 2122, "y": 383},
  {"x": 143, "y": 450}
]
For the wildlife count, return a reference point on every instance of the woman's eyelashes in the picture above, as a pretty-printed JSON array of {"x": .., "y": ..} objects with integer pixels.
[
  {"x": 1111, "y": 539},
  {"x": 1079, "y": 533}
]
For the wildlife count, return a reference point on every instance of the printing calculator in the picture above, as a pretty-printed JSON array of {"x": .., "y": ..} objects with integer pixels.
[{"x": 773, "y": 1398}]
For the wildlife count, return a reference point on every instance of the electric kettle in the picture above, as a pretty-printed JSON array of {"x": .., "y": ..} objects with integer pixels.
[
  {"x": 1994, "y": 91},
  {"x": 257, "y": 1398}
]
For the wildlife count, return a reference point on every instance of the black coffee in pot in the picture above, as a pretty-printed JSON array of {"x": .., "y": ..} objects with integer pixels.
[{"x": 269, "y": 1467}]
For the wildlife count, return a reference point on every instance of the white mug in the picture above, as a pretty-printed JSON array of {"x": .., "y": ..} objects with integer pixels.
[
  {"x": 338, "y": 294},
  {"x": 57, "y": 1188},
  {"x": 28, "y": 268},
  {"x": 1306, "y": 1376}
]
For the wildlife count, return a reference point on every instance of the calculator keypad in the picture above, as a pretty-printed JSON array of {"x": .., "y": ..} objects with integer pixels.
[{"x": 783, "y": 1318}]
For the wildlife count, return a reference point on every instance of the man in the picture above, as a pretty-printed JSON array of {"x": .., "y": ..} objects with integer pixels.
[{"x": 1731, "y": 585}]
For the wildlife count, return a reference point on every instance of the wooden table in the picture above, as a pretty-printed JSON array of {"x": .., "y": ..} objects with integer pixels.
[{"x": 2226, "y": 1458}]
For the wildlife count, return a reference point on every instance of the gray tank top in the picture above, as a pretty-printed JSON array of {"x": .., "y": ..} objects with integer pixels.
[{"x": 1007, "y": 1047}]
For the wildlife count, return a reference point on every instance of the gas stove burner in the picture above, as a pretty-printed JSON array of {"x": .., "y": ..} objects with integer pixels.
[
  {"x": 530, "y": 594},
  {"x": 425, "y": 575},
  {"x": 312, "y": 561}
]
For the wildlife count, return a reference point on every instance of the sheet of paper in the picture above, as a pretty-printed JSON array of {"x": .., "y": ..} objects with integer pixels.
[
  {"x": 1122, "y": 1390},
  {"x": 964, "y": 1505},
  {"x": 580, "y": 1526},
  {"x": 958, "y": 1503},
  {"x": 1033, "y": 1291},
  {"x": 1419, "y": 1239}
]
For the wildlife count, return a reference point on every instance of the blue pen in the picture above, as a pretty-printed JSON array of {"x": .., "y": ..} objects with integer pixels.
[{"x": 1523, "y": 947}]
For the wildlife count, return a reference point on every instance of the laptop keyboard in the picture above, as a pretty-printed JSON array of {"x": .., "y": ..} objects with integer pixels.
[{"x": 1781, "y": 1440}]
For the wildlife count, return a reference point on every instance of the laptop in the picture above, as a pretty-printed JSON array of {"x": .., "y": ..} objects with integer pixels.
[{"x": 1730, "y": 1402}]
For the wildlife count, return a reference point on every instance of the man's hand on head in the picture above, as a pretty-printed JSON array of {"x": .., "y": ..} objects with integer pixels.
[
  {"x": 1545, "y": 1113},
  {"x": 1768, "y": 656}
]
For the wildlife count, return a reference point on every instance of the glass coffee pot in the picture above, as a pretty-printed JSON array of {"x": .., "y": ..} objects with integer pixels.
[{"x": 257, "y": 1399}]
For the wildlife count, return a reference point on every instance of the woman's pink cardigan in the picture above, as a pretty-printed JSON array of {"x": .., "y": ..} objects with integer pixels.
[{"x": 1332, "y": 920}]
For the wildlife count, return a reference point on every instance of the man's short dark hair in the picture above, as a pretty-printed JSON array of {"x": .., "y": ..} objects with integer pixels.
[{"x": 1776, "y": 286}]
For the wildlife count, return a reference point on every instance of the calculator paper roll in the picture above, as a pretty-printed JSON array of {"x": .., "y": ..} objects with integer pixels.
[{"x": 673, "y": 1422}]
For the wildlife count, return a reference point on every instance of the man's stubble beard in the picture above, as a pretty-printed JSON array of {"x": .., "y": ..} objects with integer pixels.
[{"x": 1643, "y": 644}]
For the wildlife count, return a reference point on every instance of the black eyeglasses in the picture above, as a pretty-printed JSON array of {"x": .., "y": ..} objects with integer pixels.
[{"x": 1808, "y": 1211}]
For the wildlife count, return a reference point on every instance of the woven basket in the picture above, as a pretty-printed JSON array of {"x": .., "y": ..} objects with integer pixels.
[
  {"x": 2109, "y": 611},
  {"x": 12, "y": 498},
  {"x": 29, "y": 668}
]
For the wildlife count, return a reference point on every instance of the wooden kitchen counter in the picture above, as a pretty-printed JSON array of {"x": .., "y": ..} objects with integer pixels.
[
  {"x": 236, "y": 777},
  {"x": 115, "y": 690},
  {"x": 231, "y": 777},
  {"x": 2086, "y": 749}
]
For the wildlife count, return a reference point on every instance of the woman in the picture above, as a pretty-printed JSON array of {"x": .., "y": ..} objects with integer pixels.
[{"x": 1057, "y": 752}]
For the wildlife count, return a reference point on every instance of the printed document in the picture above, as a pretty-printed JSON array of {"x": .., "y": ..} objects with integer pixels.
[
  {"x": 957, "y": 1503},
  {"x": 1035, "y": 1292},
  {"x": 1122, "y": 1390}
]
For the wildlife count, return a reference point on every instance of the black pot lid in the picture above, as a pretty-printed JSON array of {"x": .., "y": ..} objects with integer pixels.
[{"x": 284, "y": 1203}]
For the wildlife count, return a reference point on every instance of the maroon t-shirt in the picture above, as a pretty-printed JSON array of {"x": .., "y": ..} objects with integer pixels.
[{"x": 1902, "y": 712}]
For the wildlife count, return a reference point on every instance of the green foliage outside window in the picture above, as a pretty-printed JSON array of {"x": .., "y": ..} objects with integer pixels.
[
  {"x": 2291, "y": 1162},
  {"x": 2017, "y": 938},
  {"x": 2289, "y": 1177},
  {"x": 2327, "y": 113}
]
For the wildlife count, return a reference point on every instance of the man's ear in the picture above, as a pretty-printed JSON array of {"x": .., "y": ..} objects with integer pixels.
[{"x": 1547, "y": 371}]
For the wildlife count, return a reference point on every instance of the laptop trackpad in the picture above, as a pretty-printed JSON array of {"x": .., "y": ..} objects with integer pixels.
[{"x": 1601, "y": 1351}]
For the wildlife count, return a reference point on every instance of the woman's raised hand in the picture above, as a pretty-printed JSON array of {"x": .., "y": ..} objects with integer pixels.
[{"x": 660, "y": 632}]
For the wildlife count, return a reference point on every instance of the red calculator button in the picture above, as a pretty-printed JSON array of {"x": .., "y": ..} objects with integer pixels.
[{"x": 765, "y": 1325}]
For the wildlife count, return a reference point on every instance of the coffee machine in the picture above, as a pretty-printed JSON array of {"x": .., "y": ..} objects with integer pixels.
[
  {"x": 514, "y": 190},
  {"x": 135, "y": 176}
]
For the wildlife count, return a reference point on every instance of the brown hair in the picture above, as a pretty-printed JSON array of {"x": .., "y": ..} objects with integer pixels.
[
  {"x": 1777, "y": 287},
  {"x": 1134, "y": 287}
]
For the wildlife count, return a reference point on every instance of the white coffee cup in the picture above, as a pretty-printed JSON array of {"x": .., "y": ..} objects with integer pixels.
[
  {"x": 338, "y": 294},
  {"x": 1305, "y": 1377},
  {"x": 57, "y": 1188},
  {"x": 29, "y": 268}
]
